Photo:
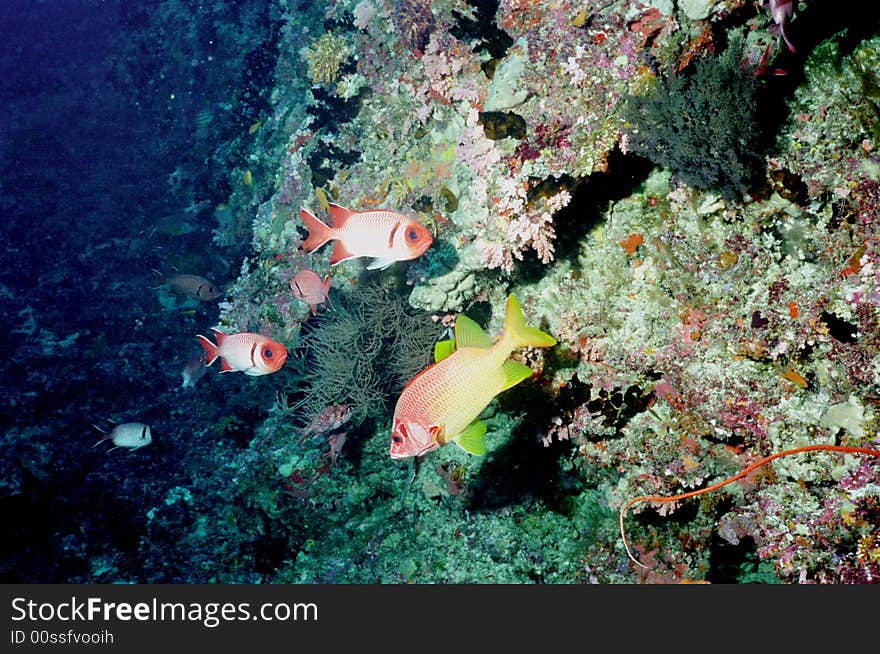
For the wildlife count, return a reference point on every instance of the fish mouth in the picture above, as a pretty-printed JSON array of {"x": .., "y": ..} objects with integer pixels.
[
  {"x": 424, "y": 247},
  {"x": 406, "y": 450}
]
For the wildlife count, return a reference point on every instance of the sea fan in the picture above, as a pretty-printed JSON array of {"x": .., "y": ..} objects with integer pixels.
[{"x": 361, "y": 354}]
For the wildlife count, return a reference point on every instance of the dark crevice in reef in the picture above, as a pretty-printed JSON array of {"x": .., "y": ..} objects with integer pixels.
[
  {"x": 330, "y": 111},
  {"x": 525, "y": 467},
  {"x": 811, "y": 26},
  {"x": 482, "y": 26},
  {"x": 737, "y": 563},
  {"x": 840, "y": 329},
  {"x": 591, "y": 198}
]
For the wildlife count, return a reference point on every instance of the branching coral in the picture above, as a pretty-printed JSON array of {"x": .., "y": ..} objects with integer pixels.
[
  {"x": 325, "y": 56},
  {"x": 702, "y": 125},
  {"x": 414, "y": 23}
]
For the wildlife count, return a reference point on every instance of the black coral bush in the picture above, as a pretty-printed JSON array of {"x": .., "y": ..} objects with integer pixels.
[
  {"x": 361, "y": 353},
  {"x": 703, "y": 125}
]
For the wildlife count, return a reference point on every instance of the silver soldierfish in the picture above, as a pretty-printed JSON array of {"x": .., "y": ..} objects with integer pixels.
[
  {"x": 132, "y": 435},
  {"x": 192, "y": 286}
]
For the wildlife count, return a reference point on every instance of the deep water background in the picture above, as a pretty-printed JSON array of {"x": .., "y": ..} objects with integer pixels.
[{"x": 96, "y": 116}]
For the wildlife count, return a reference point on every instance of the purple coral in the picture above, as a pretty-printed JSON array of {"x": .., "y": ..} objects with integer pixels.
[{"x": 414, "y": 23}]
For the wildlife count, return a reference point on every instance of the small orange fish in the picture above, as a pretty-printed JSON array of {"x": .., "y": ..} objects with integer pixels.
[
  {"x": 333, "y": 416},
  {"x": 194, "y": 286},
  {"x": 308, "y": 287},
  {"x": 133, "y": 435},
  {"x": 385, "y": 235},
  {"x": 252, "y": 354},
  {"x": 442, "y": 402}
]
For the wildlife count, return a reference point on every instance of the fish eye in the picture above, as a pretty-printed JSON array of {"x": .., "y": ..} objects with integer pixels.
[
  {"x": 267, "y": 353},
  {"x": 396, "y": 439},
  {"x": 412, "y": 234}
]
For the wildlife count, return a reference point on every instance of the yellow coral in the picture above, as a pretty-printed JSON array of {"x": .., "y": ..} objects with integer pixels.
[{"x": 325, "y": 56}]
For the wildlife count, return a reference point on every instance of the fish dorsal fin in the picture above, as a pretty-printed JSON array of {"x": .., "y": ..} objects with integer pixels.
[
  {"x": 218, "y": 336},
  {"x": 339, "y": 215},
  {"x": 380, "y": 264},
  {"x": 443, "y": 349},
  {"x": 514, "y": 373},
  {"x": 472, "y": 438},
  {"x": 469, "y": 334}
]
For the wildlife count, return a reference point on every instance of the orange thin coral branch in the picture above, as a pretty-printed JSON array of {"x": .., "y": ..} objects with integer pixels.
[{"x": 742, "y": 473}]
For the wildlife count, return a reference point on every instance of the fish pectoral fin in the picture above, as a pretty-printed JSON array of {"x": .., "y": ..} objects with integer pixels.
[
  {"x": 472, "y": 438},
  {"x": 514, "y": 373},
  {"x": 469, "y": 334},
  {"x": 380, "y": 264},
  {"x": 443, "y": 349}
]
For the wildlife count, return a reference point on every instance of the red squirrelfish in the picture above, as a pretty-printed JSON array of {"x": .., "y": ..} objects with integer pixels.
[
  {"x": 781, "y": 11},
  {"x": 442, "y": 403},
  {"x": 385, "y": 235},
  {"x": 132, "y": 435},
  {"x": 252, "y": 354},
  {"x": 333, "y": 416},
  {"x": 308, "y": 287}
]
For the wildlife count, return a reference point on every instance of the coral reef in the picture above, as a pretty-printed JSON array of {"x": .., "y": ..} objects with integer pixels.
[{"x": 700, "y": 328}]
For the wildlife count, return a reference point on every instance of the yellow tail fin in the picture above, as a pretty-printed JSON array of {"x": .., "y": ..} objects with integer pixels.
[{"x": 517, "y": 333}]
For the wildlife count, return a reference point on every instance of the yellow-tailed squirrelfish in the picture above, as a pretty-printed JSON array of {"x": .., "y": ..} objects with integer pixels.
[
  {"x": 386, "y": 236},
  {"x": 442, "y": 403},
  {"x": 252, "y": 354}
]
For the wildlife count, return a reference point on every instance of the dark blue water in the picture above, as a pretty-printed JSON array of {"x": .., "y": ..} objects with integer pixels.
[{"x": 98, "y": 113}]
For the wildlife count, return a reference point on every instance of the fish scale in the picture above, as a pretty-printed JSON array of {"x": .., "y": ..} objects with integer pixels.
[
  {"x": 363, "y": 229},
  {"x": 443, "y": 402},
  {"x": 459, "y": 391}
]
